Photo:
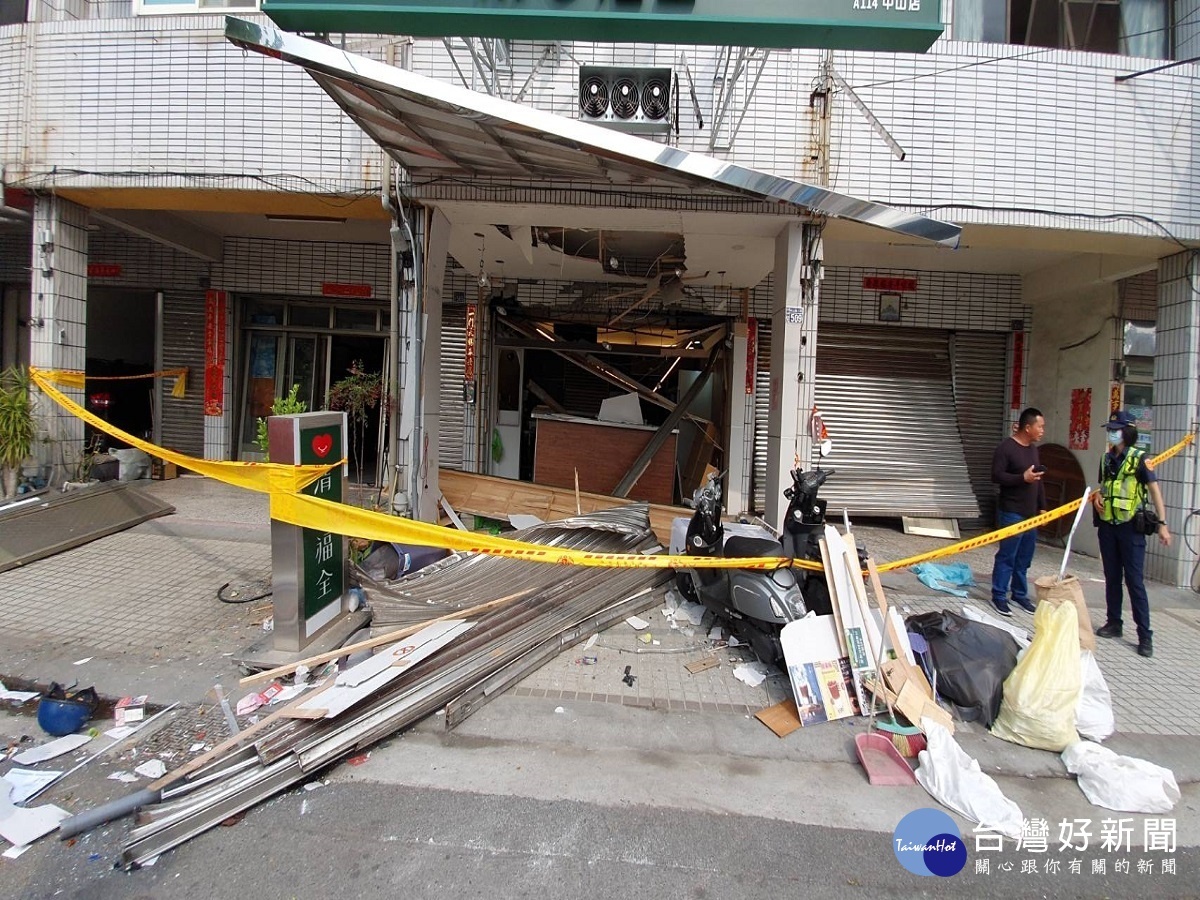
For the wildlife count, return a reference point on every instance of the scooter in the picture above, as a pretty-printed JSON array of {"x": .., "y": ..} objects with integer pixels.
[{"x": 755, "y": 604}]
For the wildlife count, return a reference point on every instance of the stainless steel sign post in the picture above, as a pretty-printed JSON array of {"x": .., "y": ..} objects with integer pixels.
[{"x": 308, "y": 565}]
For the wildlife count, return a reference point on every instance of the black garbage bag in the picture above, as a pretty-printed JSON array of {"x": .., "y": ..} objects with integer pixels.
[{"x": 971, "y": 659}]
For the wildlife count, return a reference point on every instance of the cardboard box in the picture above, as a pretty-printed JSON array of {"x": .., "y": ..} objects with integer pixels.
[
  {"x": 161, "y": 470},
  {"x": 130, "y": 710}
]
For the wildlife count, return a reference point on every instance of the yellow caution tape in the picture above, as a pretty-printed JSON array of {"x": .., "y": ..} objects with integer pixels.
[
  {"x": 283, "y": 483},
  {"x": 339, "y": 518},
  {"x": 255, "y": 476},
  {"x": 73, "y": 378},
  {"x": 1037, "y": 521}
]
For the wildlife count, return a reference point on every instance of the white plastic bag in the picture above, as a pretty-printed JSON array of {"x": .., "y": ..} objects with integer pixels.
[
  {"x": 955, "y": 780},
  {"x": 132, "y": 464},
  {"x": 1122, "y": 783},
  {"x": 1094, "y": 714}
]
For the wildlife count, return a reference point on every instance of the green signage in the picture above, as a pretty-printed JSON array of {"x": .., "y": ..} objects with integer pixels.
[
  {"x": 900, "y": 25},
  {"x": 324, "y": 562}
]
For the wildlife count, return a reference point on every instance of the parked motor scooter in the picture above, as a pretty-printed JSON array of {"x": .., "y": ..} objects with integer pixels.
[{"x": 755, "y": 604}]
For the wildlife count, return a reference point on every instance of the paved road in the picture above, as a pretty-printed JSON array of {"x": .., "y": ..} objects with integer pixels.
[{"x": 367, "y": 840}]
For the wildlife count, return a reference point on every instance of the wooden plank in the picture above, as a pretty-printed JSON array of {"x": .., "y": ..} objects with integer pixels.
[
  {"x": 831, "y": 586},
  {"x": 496, "y": 498},
  {"x": 380, "y": 639},
  {"x": 898, "y": 637},
  {"x": 703, "y": 665},
  {"x": 782, "y": 718}
]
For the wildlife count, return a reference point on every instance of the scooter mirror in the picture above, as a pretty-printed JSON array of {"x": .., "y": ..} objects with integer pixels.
[{"x": 825, "y": 447}]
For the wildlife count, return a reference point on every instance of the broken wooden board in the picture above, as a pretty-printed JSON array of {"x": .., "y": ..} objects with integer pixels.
[
  {"x": 782, "y": 718},
  {"x": 496, "y": 498},
  {"x": 853, "y": 618},
  {"x": 896, "y": 633},
  {"x": 703, "y": 665},
  {"x": 908, "y": 697}
]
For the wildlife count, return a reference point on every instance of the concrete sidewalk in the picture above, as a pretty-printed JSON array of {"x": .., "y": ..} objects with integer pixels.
[
  {"x": 143, "y": 605},
  {"x": 141, "y": 608}
]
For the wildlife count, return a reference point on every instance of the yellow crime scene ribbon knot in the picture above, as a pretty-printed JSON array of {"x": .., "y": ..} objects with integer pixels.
[{"x": 284, "y": 482}]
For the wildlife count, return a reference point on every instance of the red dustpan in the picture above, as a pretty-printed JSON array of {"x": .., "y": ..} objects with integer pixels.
[{"x": 882, "y": 761}]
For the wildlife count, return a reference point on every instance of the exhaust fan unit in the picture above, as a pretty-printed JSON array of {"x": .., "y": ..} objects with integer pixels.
[{"x": 629, "y": 99}]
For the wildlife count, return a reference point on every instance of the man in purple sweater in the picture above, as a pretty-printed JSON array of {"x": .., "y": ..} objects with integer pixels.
[{"x": 1016, "y": 468}]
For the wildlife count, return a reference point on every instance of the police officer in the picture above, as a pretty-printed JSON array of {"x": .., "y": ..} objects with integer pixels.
[{"x": 1125, "y": 480}]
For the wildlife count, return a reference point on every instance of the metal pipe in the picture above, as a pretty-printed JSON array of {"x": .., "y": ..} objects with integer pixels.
[{"x": 114, "y": 809}]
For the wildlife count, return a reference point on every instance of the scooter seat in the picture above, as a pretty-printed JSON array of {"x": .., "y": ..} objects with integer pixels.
[{"x": 742, "y": 546}]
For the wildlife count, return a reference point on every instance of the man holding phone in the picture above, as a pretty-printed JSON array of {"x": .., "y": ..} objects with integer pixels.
[{"x": 1018, "y": 471}]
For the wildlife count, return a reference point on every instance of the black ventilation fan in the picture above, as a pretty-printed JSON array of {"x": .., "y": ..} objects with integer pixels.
[
  {"x": 593, "y": 97},
  {"x": 625, "y": 98},
  {"x": 654, "y": 99}
]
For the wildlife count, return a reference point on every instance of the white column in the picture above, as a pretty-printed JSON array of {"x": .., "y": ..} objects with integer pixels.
[
  {"x": 1176, "y": 408},
  {"x": 425, "y": 454},
  {"x": 58, "y": 320},
  {"x": 794, "y": 302}
]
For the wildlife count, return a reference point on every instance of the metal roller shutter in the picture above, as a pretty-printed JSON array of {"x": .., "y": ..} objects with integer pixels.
[
  {"x": 978, "y": 365},
  {"x": 450, "y": 416},
  {"x": 887, "y": 398},
  {"x": 762, "y": 411},
  {"x": 183, "y": 345}
]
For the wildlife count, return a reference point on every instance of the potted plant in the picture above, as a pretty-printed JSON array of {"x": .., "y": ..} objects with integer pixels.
[
  {"x": 357, "y": 395},
  {"x": 283, "y": 406},
  {"x": 17, "y": 427}
]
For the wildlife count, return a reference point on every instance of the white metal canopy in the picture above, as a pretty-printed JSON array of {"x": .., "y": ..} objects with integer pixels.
[{"x": 437, "y": 130}]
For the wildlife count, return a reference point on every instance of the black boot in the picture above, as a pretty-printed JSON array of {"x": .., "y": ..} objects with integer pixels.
[
  {"x": 1145, "y": 647},
  {"x": 1109, "y": 630}
]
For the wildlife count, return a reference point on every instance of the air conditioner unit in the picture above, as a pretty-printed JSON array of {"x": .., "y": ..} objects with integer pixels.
[{"x": 625, "y": 98}]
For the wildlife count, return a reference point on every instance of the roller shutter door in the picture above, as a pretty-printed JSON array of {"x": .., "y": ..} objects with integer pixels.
[
  {"x": 887, "y": 398},
  {"x": 978, "y": 360},
  {"x": 183, "y": 345},
  {"x": 451, "y": 429}
]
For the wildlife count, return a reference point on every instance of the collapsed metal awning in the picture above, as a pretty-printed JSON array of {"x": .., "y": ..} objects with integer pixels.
[{"x": 439, "y": 130}]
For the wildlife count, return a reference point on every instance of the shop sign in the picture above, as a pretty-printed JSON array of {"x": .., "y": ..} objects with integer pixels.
[
  {"x": 901, "y": 25},
  {"x": 340, "y": 289},
  {"x": 103, "y": 270},
  {"x": 890, "y": 283},
  {"x": 751, "y": 353},
  {"x": 323, "y": 556},
  {"x": 215, "y": 307}
]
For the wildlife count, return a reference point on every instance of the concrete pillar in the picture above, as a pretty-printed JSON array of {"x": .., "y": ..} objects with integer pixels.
[
  {"x": 794, "y": 304},
  {"x": 1176, "y": 408},
  {"x": 740, "y": 458},
  {"x": 58, "y": 320},
  {"x": 426, "y": 454}
]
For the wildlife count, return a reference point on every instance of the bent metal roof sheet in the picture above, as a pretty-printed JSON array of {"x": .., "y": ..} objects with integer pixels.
[{"x": 435, "y": 129}]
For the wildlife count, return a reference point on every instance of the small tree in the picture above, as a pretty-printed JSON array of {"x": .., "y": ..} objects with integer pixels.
[
  {"x": 283, "y": 406},
  {"x": 17, "y": 427},
  {"x": 357, "y": 395}
]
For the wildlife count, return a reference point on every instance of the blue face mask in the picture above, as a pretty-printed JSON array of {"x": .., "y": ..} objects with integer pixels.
[{"x": 1114, "y": 437}]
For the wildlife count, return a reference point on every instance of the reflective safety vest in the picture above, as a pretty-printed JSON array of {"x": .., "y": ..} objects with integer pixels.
[{"x": 1123, "y": 494}]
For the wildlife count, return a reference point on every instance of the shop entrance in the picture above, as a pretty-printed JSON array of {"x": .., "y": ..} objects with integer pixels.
[
  {"x": 311, "y": 346},
  {"x": 120, "y": 344}
]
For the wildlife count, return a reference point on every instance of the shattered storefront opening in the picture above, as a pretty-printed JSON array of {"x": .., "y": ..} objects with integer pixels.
[{"x": 492, "y": 174}]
